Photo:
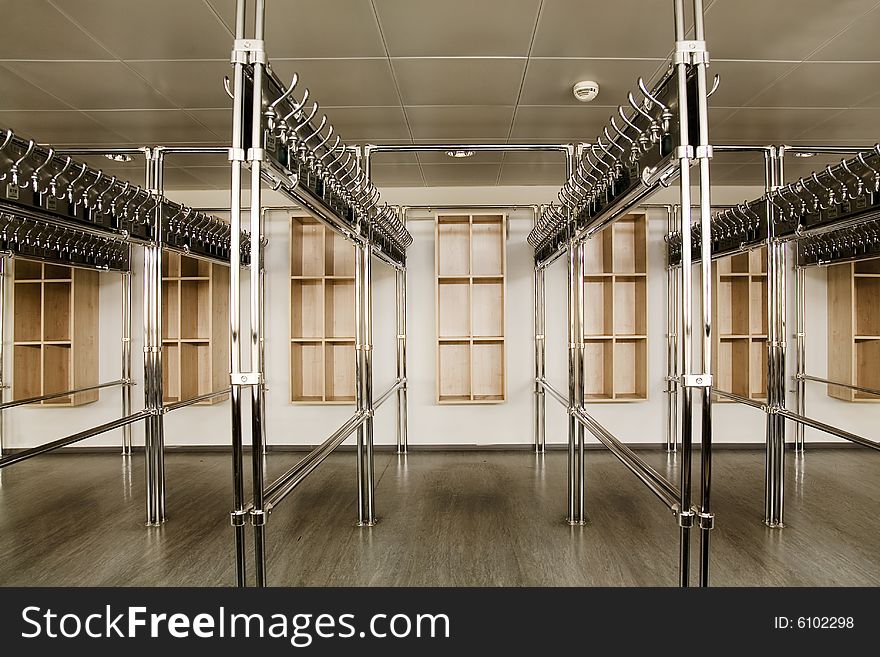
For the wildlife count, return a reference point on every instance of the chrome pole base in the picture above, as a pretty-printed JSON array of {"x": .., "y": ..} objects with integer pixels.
[
  {"x": 369, "y": 523},
  {"x": 774, "y": 525}
]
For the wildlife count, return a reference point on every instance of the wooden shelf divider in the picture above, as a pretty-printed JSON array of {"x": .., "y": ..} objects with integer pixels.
[
  {"x": 55, "y": 332},
  {"x": 616, "y": 312},
  {"x": 470, "y": 281}
]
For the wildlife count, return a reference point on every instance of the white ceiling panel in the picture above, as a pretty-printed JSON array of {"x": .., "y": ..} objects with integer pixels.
[
  {"x": 741, "y": 81},
  {"x": 188, "y": 83},
  {"x": 342, "y": 82},
  {"x": 403, "y": 175},
  {"x": 91, "y": 85},
  {"x": 181, "y": 179},
  {"x": 782, "y": 29},
  {"x": 559, "y": 123},
  {"x": 857, "y": 43},
  {"x": 315, "y": 28},
  {"x": 822, "y": 85},
  {"x": 156, "y": 126},
  {"x": 550, "y": 81},
  {"x": 36, "y": 30},
  {"x": 767, "y": 125},
  {"x": 60, "y": 127},
  {"x": 457, "y": 27},
  {"x": 619, "y": 29},
  {"x": 532, "y": 174},
  {"x": 862, "y": 124},
  {"x": 459, "y": 81},
  {"x": 19, "y": 94},
  {"x": 459, "y": 123},
  {"x": 158, "y": 29},
  {"x": 460, "y": 173}
]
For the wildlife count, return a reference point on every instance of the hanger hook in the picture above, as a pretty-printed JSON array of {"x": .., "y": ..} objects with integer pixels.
[{"x": 648, "y": 95}]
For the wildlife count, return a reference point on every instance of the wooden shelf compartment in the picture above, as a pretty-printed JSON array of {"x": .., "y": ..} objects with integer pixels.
[
  {"x": 171, "y": 372},
  {"x": 307, "y": 371},
  {"x": 195, "y": 309},
  {"x": 867, "y": 267},
  {"x": 487, "y": 245},
  {"x": 758, "y": 325},
  {"x": 599, "y": 370},
  {"x": 194, "y": 268},
  {"x": 306, "y": 247},
  {"x": 487, "y": 370},
  {"x": 731, "y": 366},
  {"x": 454, "y": 371},
  {"x": 339, "y": 371},
  {"x": 758, "y": 369},
  {"x": 598, "y": 305},
  {"x": 453, "y": 245},
  {"x": 598, "y": 254},
  {"x": 55, "y": 332},
  {"x": 732, "y": 305},
  {"x": 307, "y": 308},
  {"x": 734, "y": 264},
  {"x": 338, "y": 255},
  {"x": 339, "y": 317},
  {"x": 630, "y": 305},
  {"x": 867, "y": 306},
  {"x": 630, "y": 369},
  {"x": 487, "y": 308},
  {"x": 867, "y": 368},
  {"x": 453, "y": 308},
  {"x": 629, "y": 244}
]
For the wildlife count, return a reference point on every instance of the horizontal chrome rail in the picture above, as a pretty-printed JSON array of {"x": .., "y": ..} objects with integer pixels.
[
  {"x": 827, "y": 428},
  {"x": 196, "y": 400},
  {"x": 562, "y": 399},
  {"x": 65, "y": 393},
  {"x": 384, "y": 396},
  {"x": 740, "y": 399},
  {"x": 869, "y": 391},
  {"x": 655, "y": 482},
  {"x": 73, "y": 438},
  {"x": 286, "y": 483}
]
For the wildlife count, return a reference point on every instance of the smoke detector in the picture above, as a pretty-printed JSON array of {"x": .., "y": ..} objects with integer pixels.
[{"x": 585, "y": 90}]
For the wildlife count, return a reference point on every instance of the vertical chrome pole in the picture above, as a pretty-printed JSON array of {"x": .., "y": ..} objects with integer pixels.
[
  {"x": 671, "y": 344},
  {"x": 154, "y": 445},
  {"x": 359, "y": 375},
  {"x": 774, "y": 479},
  {"x": 263, "y": 324},
  {"x": 3, "y": 263},
  {"x": 402, "y": 419},
  {"x": 255, "y": 155},
  {"x": 575, "y": 378},
  {"x": 684, "y": 154},
  {"x": 126, "y": 355},
  {"x": 236, "y": 157},
  {"x": 369, "y": 467},
  {"x": 800, "y": 353},
  {"x": 704, "y": 156},
  {"x": 540, "y": 371}
]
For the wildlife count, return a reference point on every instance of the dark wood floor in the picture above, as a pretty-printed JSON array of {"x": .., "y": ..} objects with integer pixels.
[{"x": 447, "y": 518}]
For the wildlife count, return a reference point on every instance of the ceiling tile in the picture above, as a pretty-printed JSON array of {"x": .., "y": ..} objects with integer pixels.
[
  {"x": 397, "y": 175},
  {"x": 822, "y": 85},
  {"x": 369, "y": 123},
  {"x": 770, "y": 125},
  {"x": 457, "y": 27},
  {"x": 315, "y": 28},
  {"x": 214, "y": 177},
  {"x": 36, "y": 30},
  {"x": 580, "y": 123},
  {"x": 461, "y": 174},
  {"x": 459, "y": 81},
  {"x": 850, "y": 124},
  {"x": 91, "y": 85},
  {"x": 181, "y": 179},
  {"x": 158, "y": 29},
  {"x": 857, "y": 43},
  {"x": 791, "y": 29},
  {"x": 534, "y": 157},
  {"x": 341, "y": 82},
  {"x": 188, "y": 83},
  {"x": 59, "y": 127},
  {"x": 459, "y": 123},
  {"x": 155, "y": 127},
  {"x": 198, "y": 160},
  {"x": 218, "y": 121},
  {"x": 549, "y": 81},
  {"x": 395, "y": 158},
  {"x": 533, "y": 174},
  {"x": 741, "y": 80},
  {"x": 574, "y": 28},
  {"x": 19, "y": 94}
]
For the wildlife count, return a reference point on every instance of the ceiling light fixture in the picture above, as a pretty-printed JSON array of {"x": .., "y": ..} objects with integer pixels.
[
  {"x": 459, "y": 153},
  {"x": 119, "y": 157},
  {"x": 803, "y": 154}
]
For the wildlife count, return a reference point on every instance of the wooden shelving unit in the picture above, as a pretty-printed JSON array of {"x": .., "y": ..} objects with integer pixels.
[
  {"x": 740, "y": 326},
  {"x": 616, "y": 312},
  {"x": 322, "y": 315},
  {"x": 854, "y": 329},
  {"x": 195, "y": 328},
  {"x": 55, "y": 332},
  {"x": 470, "y": 269}
]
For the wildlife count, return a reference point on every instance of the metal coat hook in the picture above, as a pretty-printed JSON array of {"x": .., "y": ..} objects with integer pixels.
[
  {"x": 227, "y": 85},
  {"x": 71, "y": 188},
  {"x": 14, "y": 170},
  {"x": 715, "y": 84},
  {"x": 53, "y": 183},
  {"x": 35, "y": 176}
]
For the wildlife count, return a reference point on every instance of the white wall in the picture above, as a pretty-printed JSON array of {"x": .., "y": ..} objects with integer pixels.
[{"x": 509, "y": 423}]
